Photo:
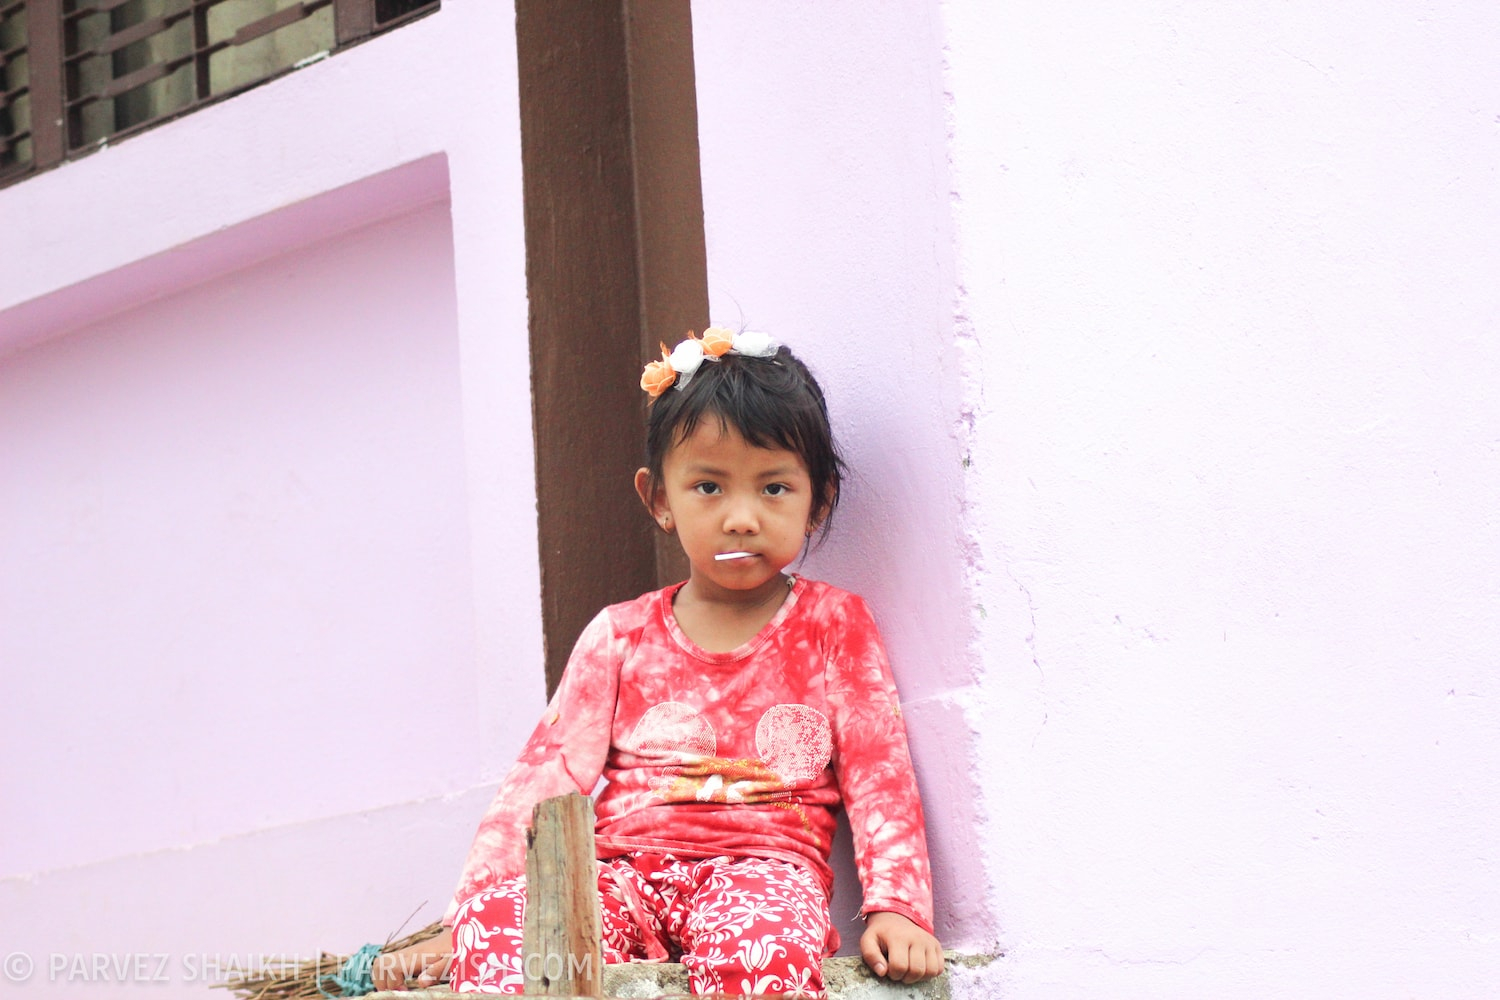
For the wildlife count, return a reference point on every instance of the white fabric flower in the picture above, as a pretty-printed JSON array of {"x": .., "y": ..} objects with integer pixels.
[
  {"x": 686, "y": 358},
  {"x": 754, "y": 344}
]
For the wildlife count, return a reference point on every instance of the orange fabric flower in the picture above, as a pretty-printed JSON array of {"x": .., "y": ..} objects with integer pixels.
[
  {"x": 657, "y": 378},
  {"x": 717, "y": 341}
]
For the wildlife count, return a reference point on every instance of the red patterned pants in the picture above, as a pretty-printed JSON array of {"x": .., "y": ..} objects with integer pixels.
[{"x": 739, "y": 925}]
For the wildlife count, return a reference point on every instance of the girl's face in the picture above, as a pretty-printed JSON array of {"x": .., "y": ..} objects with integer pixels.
[{"x": 720, "y": 494}]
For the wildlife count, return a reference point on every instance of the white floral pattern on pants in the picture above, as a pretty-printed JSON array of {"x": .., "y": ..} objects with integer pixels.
[{"x": 739, "y": 925}]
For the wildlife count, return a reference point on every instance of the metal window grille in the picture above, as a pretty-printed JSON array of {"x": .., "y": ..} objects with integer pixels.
[
  {"x": 76, "y": 74},
  {"x": 17, "y": 145}
]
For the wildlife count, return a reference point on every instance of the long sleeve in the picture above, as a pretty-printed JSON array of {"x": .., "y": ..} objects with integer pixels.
[
  {"x": 874, "y": 770},
  {"x": 566, "y": 753}
]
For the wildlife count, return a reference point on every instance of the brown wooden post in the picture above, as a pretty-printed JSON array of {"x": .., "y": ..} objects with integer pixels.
[
  {"x": 671, "y": 258},
  {"x": 615, "y": 261},
  {"x": 561, "y": 938}
]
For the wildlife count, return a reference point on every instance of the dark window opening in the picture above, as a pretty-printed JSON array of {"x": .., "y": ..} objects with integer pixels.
[
  {"x": 15, "y": 90},
  {"x": 390, "y": 10},
  {"x": 90, "y": 71}
]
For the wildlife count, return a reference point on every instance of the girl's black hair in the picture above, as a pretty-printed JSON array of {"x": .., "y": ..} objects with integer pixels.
[{"x": 772, "y": 402}]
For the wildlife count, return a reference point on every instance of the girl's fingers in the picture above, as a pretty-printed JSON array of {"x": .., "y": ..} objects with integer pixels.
[
  {"x": 916, "y": 966},
  {"x": 434, "y": 972},
  {"x": 926, "y": 962},
  {"x": 916, "y": 962},
  {"x": 900, "y": 958},
  {"x": 901, "y": 964},
  {"x": 380, "y": 973}
]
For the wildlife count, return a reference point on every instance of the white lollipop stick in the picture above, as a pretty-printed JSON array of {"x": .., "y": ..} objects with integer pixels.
[{"x": 733, "y": 555}]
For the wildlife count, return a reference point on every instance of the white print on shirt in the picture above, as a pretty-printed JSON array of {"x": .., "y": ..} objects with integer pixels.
[
  {"x": 795, "y": 741},
  {"x": 795, "y": 744},
  {"x": 673, "y": 728}
]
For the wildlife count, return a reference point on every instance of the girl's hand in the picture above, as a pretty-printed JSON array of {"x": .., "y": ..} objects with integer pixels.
[
  {"x": 894, "y": 947},
  {"x": 427, "y": 960}
]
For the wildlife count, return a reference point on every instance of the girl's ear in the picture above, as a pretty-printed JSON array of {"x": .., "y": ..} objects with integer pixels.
[
  {"x": 816, "y": 521},
  {"x": 654, "y": 500},
  {"x": 643, "y": 489}
]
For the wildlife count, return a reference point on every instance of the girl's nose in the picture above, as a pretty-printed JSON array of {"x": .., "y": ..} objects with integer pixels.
[{"x": 740, "y": 519}]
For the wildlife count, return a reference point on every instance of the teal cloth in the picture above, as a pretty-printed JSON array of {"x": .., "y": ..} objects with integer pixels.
[{"x": 355, "y": 977}]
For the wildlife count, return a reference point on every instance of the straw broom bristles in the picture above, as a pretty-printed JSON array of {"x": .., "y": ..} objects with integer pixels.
[{"x": 302, "y": 982}]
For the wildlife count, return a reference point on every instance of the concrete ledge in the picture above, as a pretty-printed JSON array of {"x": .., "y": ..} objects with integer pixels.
[{"x": 847, "y": 978}]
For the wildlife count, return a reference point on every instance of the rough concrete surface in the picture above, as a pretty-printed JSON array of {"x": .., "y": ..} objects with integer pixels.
[{"x": 847, "y": 978}]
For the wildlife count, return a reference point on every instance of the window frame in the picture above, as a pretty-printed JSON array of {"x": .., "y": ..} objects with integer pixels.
[{"x": 55, "y": 140}]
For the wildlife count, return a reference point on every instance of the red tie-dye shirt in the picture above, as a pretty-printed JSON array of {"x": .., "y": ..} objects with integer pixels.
[{"x": 747, "y": 753}]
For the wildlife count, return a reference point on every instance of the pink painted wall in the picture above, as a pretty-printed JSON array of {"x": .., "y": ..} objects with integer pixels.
[
  {"x": 1158, "y": 339},
  {"x": 825, "y": 215},
  {"x": 268, "y": 570},
  {"x": 242, "y": 512},
  {"x": 1239, "y": 465},
  {"x": 1161, "y": 337}
]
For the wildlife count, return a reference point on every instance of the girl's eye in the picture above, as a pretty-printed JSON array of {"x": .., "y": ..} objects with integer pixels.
[
  {"x": 777, "y": 489},
  {"x": 707, "y": 489}
]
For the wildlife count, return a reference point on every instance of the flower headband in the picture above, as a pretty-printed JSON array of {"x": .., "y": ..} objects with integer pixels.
[{"x": 677, "y": 367}]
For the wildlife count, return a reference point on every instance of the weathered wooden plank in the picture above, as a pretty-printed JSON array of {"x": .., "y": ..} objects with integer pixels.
[{"x": 561, "y": 950}]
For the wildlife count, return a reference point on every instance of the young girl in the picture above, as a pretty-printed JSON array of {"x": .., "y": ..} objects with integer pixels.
[{"x": 730, "y": 716}]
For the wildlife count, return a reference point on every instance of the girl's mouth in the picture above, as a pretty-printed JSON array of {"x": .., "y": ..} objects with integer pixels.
[{"x": 722, "y": 556}]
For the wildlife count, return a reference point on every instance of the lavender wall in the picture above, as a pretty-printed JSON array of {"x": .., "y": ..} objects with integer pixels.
[
  {"x": 268, "y": 576},
  {"x": 1171, "y": 327},
  {"x": 1159, "y": 341},
  {"x": 241, "y": 510},
  {"x": 825, "y": 214},
  {"x": 1238, "y": 468}
]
